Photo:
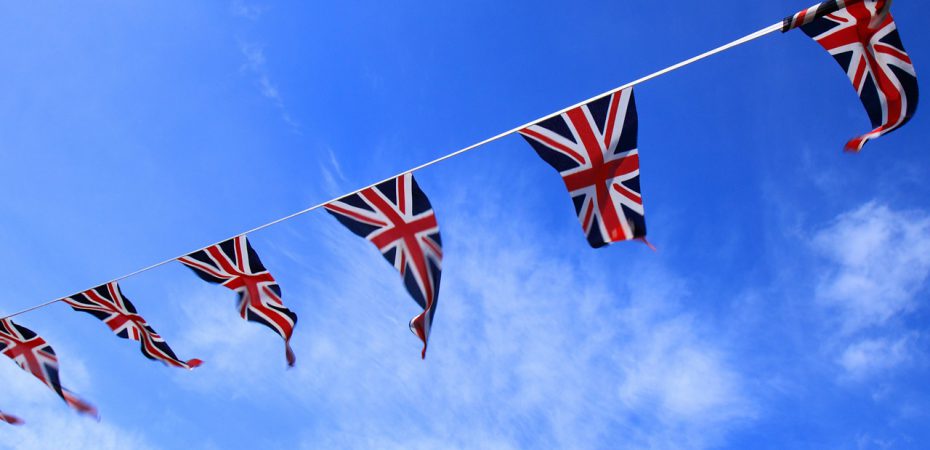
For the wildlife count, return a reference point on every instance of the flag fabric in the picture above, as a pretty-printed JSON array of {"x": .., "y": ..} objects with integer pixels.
[
  {"x": 235, "y": 265},
  {"x": 397, "y": 217},
  {"x": 107, "y": 303},
  {"x": 813, "y": 13},
  {"x": 864, "y": 40},
  {"x": 34, "y": 355},
  {"x": 594, "y": 148},
  {"x": 10, "y": 419}
]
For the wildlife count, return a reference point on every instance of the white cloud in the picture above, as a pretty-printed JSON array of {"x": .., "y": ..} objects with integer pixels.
[
  {"x": 869, "y": 356},
  {"x": 331, "y": 171},
  {"x": 228, "y": 344},
  {"x": 254, "y": 56},
  {"x": 879, "y": 264},
  {"x": 49, "y": 423},
  {"x": 867, "y": 442},
  {"x": 527, "y": 350},
  {"x": 56, "y": 430},
  {"x": 268, "y": 89},
  {"x": 686, "y": 381},
  {"x": 881, "y": 260},
  {"x": 239, "y": 8},
  {"x": 256, "y": 64}
]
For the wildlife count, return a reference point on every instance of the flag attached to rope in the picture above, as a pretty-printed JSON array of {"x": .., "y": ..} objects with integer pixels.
[
  {"x": 397, "y": 218},
  {"x": 37, "y": 357},
  {"x": 593, "y": 147},
  {"x": 864, "y": 40},
  {"x": 814, "y": 12},
  {"x": 108, "y": 304},
  {"x": 235, "y": 265},
  {"x": 10, "y": 419}
]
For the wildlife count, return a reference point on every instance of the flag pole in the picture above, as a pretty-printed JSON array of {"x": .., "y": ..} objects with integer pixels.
[{"x": 748, "y": 38}]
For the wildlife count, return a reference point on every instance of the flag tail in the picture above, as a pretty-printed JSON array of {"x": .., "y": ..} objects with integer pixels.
[
  {"x": 10, "y": 419},
  {"x": 80, "y": 405},
  {"x": 194, "y": 363},
  {"x": 289, "y": 354},
  {"x": 648, "y": 244},
  {"x": 418, "y": 328}
]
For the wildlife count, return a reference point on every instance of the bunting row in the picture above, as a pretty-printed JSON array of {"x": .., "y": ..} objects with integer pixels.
[{"x": 593, "y": 147}]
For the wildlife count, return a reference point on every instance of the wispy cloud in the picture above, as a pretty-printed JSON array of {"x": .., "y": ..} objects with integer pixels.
[
  {"x": 879, "y": 261},
  {"x": 868, "y": 356},
  {"x": 227, "y": 343},
  {"x": 55, "y": 429},
  {"x": 240, "y": 8},
  {"x": 50, "y": 424},
  {"x": 331, "y": 170},
  {"x": 701, "y": 385},
  {"x": 520, "y": 355},
  {"x": 256, "y": 64}
]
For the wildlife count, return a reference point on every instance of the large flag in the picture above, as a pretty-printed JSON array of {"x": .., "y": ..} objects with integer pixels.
[
  {"x": 863, "y": 38},
  {"x": 107, "y": 303},
  {"x": 593, "y": 147},
  {"x": 10, "y": 419},
  {"x": 397, "y": 218},
  {"x": 235, "y": 265},
  {"x": 35, "y": 356}
]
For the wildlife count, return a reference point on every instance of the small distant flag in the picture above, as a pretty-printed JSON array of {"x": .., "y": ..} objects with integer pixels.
[
  {"x": 235, "y": 265},
  {"x": 108, "y": 304},
  {"x": 397, "y": 218},
  {"x": 863, "y": 38},
  {"x": 34, "y": 355},
  {"x": 594, "y": 148}
]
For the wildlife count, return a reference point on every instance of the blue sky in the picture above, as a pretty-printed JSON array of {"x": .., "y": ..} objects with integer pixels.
[{"x": 786, "y": 306}]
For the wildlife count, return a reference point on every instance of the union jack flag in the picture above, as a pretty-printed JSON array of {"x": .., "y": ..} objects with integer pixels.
[
  {"x": 108, "y": 304},
  {"x": 593, "y": 147},
  {"x": 864, "y": 40},
  {"x": 813, "y": 13},
  {"x": 35, "y": 356},
  {"x": 397, "y": 218},
  {"x": 235, "y": 264},
  {"x": 10, "y": 419}
]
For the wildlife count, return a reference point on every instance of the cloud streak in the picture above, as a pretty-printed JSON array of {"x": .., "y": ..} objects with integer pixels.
[
  {"x": 879, "y": 261},
  {"x": 50, "y": 424},
  {"x": 239, "y": 8},
  {"x": 521, "y": 356},
  {"x": 869, "y": 356},
  {"x": 256, "y": 64}
]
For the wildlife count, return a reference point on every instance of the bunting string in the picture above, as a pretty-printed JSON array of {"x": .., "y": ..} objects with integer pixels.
[
  {"x": 743, "y": 40},
  {"x": 592, "y": 144}
]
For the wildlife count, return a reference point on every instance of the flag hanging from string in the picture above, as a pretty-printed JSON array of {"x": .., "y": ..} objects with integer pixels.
[
  {"x": 594, "y": 148},
  {"x": 107, "y": 303},
  {"x": 34, "y": 355},
  {"x": 813, "y": 13},
  {"x": 397, "y": 217},
  {"x": 863, "y": 38},
  {"x": 235, "y": 265},
  {"x": 10, "y": 419}
]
